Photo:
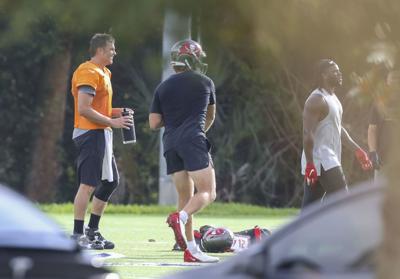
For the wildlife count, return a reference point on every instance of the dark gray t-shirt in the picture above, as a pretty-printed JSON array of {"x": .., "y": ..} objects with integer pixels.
[
  {"x": 182, "y": 100},
  {"x": 84, "y": 89}
]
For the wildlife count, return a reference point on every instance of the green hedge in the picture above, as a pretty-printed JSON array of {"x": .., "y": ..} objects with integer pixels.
[{"x": 216, "y": 209}]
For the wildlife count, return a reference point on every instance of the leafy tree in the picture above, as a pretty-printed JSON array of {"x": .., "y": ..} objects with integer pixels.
[{"x": 260, "y": 53}]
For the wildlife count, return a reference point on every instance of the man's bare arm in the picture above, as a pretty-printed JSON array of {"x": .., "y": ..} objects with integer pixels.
[
  {"x": 155, "y": 121},
  {"x": 314, "y": 110},
  {"x": 210, "y": 117},
  {"x": 348, "y": 141},
  {"x": 86, "y": 110},
  {"x": 360, "y": 154},
  {"x": 372, "y": 137}
]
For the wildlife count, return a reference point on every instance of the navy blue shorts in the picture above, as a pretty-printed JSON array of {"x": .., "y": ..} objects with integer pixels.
[
  {"x": 91, "y": 147},
  {"x": 190, "y": 156}
]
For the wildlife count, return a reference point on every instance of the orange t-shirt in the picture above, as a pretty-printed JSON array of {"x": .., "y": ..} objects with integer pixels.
[{"x": 90, "y": 74}]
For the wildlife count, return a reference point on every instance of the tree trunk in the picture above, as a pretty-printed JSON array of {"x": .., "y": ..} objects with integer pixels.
[{"x": 45, "y": 161}]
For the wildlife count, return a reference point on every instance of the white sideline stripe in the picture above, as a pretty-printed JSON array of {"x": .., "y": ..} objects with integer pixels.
[
  {"x": 103, "y": 255},
  {"x": 154, "y": 264},
  {"x": 100, "y": 257}
]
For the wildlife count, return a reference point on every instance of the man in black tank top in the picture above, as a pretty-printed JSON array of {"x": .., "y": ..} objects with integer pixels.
[
  {"x": 330, "y": 178},
  {"x": 185, "y": 105}
]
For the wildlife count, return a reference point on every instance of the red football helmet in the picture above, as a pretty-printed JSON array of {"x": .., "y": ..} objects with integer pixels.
[
  {"x": 217, "y": 240},
  {"x": 188, "y": 54}
]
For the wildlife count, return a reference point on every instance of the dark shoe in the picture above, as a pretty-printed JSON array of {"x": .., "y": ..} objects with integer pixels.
[
  {"x": 85, "y": 243},
  {"x": 177, "y": 226},
  {"x": 176, "y": 247},
  {"x": 95, "y": 235}
]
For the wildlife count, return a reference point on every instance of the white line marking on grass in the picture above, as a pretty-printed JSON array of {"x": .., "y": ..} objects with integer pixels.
[
  {"x": 104, "y": 255},
  {"x": 154, "y": 264}
]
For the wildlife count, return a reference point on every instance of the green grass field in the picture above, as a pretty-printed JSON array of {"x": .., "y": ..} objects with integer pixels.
[{"x": 146, "y": 240}]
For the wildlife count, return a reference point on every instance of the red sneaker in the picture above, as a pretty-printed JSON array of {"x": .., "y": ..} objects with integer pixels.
[
  {"x": 198, "y": 257},
  {"x": 177, "y": 226}
]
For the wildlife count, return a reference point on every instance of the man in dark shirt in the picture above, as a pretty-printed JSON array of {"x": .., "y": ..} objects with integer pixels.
[
  {"x": 185, "y": 105},
  {"x": 381, "y": 123}
]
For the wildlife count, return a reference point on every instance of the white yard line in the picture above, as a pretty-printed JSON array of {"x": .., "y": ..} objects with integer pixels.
[
  {"x": 101, "y": 257},
  {"x": 152, "y": 264}
]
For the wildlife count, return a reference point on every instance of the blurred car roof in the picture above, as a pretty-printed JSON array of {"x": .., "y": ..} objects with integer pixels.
[
  {"x": 33, "y": 246},
  {"x": 24, "y": 225}
]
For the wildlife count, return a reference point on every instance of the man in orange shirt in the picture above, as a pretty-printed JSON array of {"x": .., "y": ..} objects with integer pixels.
[{"x": 94, "y": 117}]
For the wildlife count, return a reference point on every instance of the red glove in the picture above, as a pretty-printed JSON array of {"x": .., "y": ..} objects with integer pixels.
[
  {"x": 363, "y": 159},
  {"x": 310, "y": 176}
]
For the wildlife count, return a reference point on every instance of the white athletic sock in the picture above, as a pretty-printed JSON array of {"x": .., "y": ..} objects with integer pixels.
[
  {"x": 183, "y": 216},
  {"x": 192, "y": 246}
]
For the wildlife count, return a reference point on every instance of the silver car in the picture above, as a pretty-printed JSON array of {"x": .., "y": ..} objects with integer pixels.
[
  {"x": 336, "y": 239},
  {"x": 33, "y": 246}
]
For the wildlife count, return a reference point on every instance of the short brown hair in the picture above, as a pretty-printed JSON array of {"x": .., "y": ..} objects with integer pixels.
[{"x": 99, "y": 40}]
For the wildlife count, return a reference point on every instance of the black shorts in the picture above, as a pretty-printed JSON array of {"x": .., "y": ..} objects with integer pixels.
[
  {"x": 328, "y": 182},
  {"x": 91, "y": 147},
  {"x": 190, "y": 156}
]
